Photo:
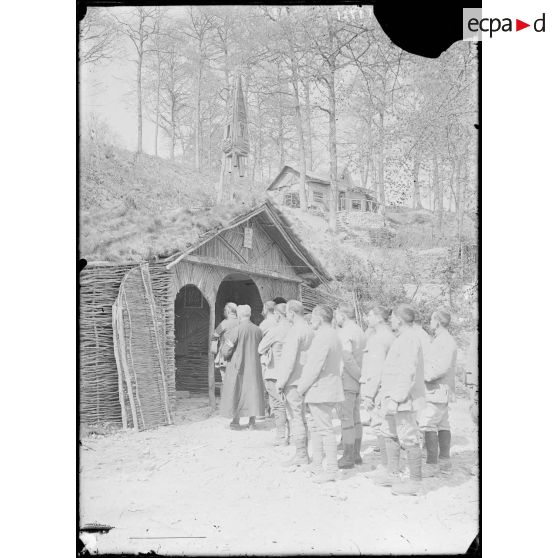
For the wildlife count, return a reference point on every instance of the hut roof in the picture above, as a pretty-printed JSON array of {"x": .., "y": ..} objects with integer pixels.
[
  {"x": 117, "y": 238},
  {"x": 344, "y": 182}
]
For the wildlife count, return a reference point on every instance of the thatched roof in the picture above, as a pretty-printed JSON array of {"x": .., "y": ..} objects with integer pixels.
[{"x": 132, "y": 236}]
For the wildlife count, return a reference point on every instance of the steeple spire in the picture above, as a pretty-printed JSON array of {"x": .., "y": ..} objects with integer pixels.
[{"x": 236, "y": 144}]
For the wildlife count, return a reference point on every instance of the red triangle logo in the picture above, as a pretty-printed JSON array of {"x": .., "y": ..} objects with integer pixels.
[{"x": 519, "y": 25}]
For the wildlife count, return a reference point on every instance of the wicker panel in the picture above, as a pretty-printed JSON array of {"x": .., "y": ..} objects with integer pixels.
[
  {"x": 98, "y": 375},
  {"x": 313, "y": 297},
  {"x": 139, "y": 328}
]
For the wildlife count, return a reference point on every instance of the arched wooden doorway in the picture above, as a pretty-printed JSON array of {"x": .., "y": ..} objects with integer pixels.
[
  {"x": 191, "y": 338},
  {"x": 240, "y": 289}
]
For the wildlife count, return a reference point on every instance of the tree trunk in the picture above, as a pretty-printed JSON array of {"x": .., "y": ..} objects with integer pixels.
[
  {"x": 431, "y": 199},
  {"x": 157, "y": 104},
  {"x": 332, "y": 151},
  {"x": 417, "y": 203},
  {"x": 308, "y": 111},
  {"x": 362, "y": 161},
  {"x": 260, "y": 143},
  {"x": 462, "y": 191},
  {"x": 300, "y": 133},
  {"x": 457, "y": 191},
  {"x": 209, "y": 157},
  {"x": 280, "y": 131},
  {"x": 139, "y": 100},
  {"x": 197, "y": 137},
  {"x": 381, "y": 188},
  {"x": 437, "y": 186},
  {"x": 173, "y": 132}
]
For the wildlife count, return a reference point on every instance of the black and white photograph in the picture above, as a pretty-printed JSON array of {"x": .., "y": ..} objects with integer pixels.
[{"x": 278, "y": 243}]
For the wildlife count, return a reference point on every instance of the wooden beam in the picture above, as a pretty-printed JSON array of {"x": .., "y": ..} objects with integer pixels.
[
  {"x": 172, "y": 264},
  {"x": 210, "y": 360},
  {"x": 232, "y": 248},
  {"x": 242, "y": 268}
]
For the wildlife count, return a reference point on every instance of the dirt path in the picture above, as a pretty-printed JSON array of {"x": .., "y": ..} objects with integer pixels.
[{"x": 200, "y": 479}]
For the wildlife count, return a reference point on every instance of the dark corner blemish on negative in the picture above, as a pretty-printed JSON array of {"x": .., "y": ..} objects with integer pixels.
[
  {"x": 81, "y": 10},
  {"x": 422, "y": 30}
]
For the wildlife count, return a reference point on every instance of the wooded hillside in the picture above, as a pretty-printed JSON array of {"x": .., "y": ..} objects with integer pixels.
[
  {"x": 323, "y": 91},
  {"x": 138, "y": 209}
]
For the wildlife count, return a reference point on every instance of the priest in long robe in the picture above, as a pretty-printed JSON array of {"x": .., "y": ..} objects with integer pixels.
[{"x": 243, "y": 387}]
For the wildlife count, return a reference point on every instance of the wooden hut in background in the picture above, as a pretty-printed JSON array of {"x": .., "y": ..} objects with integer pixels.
[{"x": 145, "y": 326}]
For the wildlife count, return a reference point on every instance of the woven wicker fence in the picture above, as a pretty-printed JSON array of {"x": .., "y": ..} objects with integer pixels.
[
  {"x": 139, "y": 329},
  {"x": 313, "y": 297},
  {"x": 161, "y": 280},
  {"x": 99, "y": 286},
  {"x": 98, "y": 376}
]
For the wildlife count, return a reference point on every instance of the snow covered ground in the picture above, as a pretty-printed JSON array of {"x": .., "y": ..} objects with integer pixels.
[{"x": 199, "y": 488}]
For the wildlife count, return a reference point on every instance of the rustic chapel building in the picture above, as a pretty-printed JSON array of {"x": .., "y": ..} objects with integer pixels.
[{"x": 152, "y": 293}]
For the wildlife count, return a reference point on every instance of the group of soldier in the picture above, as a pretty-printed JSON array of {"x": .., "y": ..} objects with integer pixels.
[{"x": 323, "y": 363}]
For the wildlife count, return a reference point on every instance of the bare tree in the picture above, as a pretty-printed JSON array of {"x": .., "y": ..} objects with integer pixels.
[
  {"x": 329, "y": 41},
  {"x": 200, "y": 26},
  {"x": 138, "y": 26},
  {"x": 96, "y": 37}
]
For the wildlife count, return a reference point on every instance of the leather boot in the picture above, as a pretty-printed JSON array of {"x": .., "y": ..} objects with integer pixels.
[
  {"x": 330, "y": 451},
  {"x": 348, "y": 459},
  {"x": 413, "y": 486},
  {"x": 444, "y": 440},
  {"x": 357, "y": 457},
  {"x": 393, "y": 452},
  {"x": 431, "y": 443},
  {"x": 380, "y": 469},
  {"x": 429, "y": 470},
  {"x": 383, "y": 453},
  {"x": 301, "y": 454},
  {"x": 317, "y": 442},
  {"x": 281, "y": 438}
]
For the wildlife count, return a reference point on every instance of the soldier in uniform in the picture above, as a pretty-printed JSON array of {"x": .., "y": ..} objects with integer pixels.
[
  {"x": 271, "y": 346},
  {"x": 352, "y": 342},
  {"x": 217, "y": 341},
  {"x": 322, "y": 388},
  {"x": 268, "y": 313},
  {"x": 424, "y": 338},
  {"x": 402, "y": 395},
  {"x": 439, "y": 381},
  {"x": 296, "y": 343},
  {"x": 375, "y": 352}
]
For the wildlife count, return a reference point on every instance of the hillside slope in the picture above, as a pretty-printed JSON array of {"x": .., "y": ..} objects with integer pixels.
[{"x": 135, "y": 209}]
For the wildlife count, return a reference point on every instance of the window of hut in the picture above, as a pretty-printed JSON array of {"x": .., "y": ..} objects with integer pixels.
[
  {"x": 342, "y": 201},
  {"x": 318, "y": 196},
  {"x": 291, "y": 200},
  {"x": 356, "y": 205}
]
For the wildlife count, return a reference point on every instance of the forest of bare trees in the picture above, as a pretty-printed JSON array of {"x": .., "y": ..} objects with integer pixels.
[{"x": 324, "y": 92}]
